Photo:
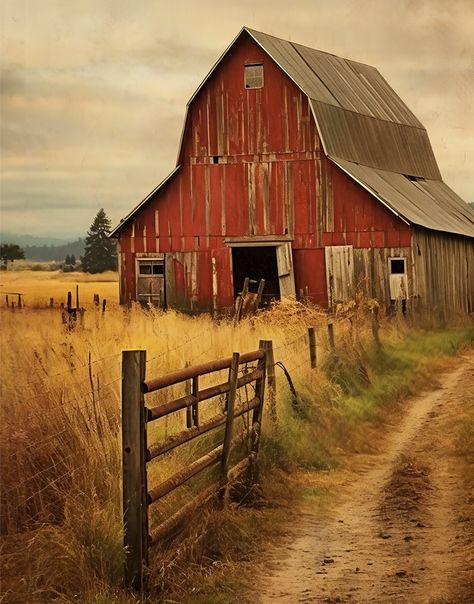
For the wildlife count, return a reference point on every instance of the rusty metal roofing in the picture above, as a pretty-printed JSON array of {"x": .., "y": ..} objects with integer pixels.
[
  {"x": 359, "y": 116},
  {"x": 375, "y": 143},
  {"x": 428, "y": 203}
]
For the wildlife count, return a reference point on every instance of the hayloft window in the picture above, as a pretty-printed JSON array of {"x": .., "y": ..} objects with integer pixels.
[{"x": 253, "y": 75}]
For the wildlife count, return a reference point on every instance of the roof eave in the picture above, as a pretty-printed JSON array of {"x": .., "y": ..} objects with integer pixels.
[{"x": 124, "y": 221}]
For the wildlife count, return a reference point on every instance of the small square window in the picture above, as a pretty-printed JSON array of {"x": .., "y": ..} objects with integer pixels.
[
  {"x": 158, "y": 269},
  {"x": 254, "y": 75},
  {"x": 145, "y": 269},
  {"x": 397, "y": 266}
]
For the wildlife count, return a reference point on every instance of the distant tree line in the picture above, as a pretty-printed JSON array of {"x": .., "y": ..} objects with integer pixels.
[{"x": 47, "y": 253}]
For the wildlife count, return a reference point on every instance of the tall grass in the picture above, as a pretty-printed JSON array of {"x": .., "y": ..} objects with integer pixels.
[{"x": 60, "y": 423}]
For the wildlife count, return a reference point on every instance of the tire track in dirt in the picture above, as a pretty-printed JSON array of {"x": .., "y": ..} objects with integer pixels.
[{"x": 405, "y": 531}]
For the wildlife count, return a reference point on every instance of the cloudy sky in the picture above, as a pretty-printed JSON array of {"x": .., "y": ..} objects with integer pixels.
[{"x": 93, "y": 92}]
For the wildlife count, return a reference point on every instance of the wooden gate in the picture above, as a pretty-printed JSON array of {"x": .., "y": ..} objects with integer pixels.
[{"x": 137, "y": 453}]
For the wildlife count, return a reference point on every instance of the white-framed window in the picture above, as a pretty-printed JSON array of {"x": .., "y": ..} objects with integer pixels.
[
  {"x": 253, "y": 75},
  {"x": 398, "y": 280}
]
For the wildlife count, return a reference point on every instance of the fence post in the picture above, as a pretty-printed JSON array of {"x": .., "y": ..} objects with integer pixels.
[
  {"x": 19, "y": 301},
  {"x": 6, "y": 300},
  {"x": 260, "y": 392},
  {"x": 135, "y": 514},
  {"x": 271, "y": 378},
  {"x": 331, "y": 341},
  {"x": 229, "y": 424},
  {"x": 96, "y": 300},
  {"x": 104, "y": 305},
  {"x": 51, "y": 302},
  {"x": 312, "y": 347},
  {"x": 188, "y": 391}
]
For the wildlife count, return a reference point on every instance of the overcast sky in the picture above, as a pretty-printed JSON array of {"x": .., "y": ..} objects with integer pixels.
[{"x": 93, "y": 92}]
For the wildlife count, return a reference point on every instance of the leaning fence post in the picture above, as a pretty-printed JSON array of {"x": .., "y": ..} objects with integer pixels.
[
  {"x": 312, "y": 347},
  {"x": 229, "y": 424},
  {"x": 135, "y": 515},
  {"x": 331, "y": 341}
]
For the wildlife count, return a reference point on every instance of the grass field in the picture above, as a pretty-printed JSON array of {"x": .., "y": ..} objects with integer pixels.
[
  {"x": 60, "y": 458},
  {"x": 39, "y": 286}
]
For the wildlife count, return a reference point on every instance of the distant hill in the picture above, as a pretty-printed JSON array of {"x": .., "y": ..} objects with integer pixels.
[
  {"x": 36, "y": 240},
  {"x": 45, "y": 253}
]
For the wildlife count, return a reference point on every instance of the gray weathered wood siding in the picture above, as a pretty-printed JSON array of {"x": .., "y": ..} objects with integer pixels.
[{"x": 443, "y": 271}]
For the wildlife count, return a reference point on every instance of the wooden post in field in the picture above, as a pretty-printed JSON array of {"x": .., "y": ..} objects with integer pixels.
[
  {"x": 19, "y": 301},
  {"x": 77, "y": 297},
  {"x": 375, "y": 325},
  {"x": 331, "y": 341},
  {"x": 260, "y": 392},
  {"x": 13, "y": 306},
  {"x": 51, "y": 302},
  {"x": 69, "y": 301},
  {"x": 229, "y": 425},
  {"x": 312, "y": 347},
  {"x": 195, "y": 407},
  {"x": 187, "y": 392},
  {"x": 7, "y": 301},
  {"x": 271, "y": 378},
  {"x": 135, "y": 513},
  {"x": 96, "y": 300},
  {"x": 104, "y": 305}
]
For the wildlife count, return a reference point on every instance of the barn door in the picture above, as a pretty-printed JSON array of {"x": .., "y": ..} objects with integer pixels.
[
  {"x": 339, "y": 273},
  {"x": 151, "y": 281},
  {"x": 286, "y": 275}
]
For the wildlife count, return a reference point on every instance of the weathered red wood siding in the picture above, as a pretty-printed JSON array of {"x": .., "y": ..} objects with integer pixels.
[{"x": 271, "y": 179}]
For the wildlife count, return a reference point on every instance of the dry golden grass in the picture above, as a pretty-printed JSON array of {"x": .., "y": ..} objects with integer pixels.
[
  {"x": 60, "y": 456},
  {"x": 39, "y": 286}
]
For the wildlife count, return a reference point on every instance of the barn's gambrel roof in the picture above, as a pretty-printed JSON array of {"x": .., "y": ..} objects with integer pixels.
[{"x": 368, "y": 131}]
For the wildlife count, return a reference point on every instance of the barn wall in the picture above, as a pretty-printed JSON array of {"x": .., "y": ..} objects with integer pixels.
[
  {"x": 444, "y": 272},
  {"x": 252, "y": 166}
]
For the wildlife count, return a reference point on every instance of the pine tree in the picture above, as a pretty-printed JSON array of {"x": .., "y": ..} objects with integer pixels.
[
  {"x": 73, "y": 260},
  {"x": 67, "y": 260},
  {"x": 99, "y": 254}
]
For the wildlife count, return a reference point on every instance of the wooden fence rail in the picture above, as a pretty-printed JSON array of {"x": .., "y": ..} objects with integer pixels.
[{"x": 137, "y": 453}]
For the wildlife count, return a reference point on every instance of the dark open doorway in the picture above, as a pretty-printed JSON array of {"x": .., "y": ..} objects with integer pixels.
[{"x": 256, "y": 263}]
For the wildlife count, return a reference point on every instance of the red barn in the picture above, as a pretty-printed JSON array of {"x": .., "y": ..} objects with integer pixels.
[{"x": 307, "y": 170}]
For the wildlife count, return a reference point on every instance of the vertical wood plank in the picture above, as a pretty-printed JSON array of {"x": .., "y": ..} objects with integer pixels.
[
  {"x": 229, "y": 426},
  {"x": 135, "y": 514}
]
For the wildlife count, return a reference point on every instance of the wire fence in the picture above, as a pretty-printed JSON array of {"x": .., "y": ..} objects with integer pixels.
[{"x": 99, "y": 388}]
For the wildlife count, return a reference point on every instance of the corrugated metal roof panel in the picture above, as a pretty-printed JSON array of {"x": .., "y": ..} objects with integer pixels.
[
  {"x": 428, "y": 203},
  {"x": 341, "y": 82},
  {"x": 375, "y": 143}
]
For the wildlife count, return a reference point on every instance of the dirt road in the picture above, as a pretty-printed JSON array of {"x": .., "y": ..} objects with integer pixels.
[{"x": 404, "y": 532}]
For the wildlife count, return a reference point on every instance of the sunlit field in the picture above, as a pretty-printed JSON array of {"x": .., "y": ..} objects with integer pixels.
[
  {"x": 60, "y": 457},
  {"x": 38, "y": 287}
]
